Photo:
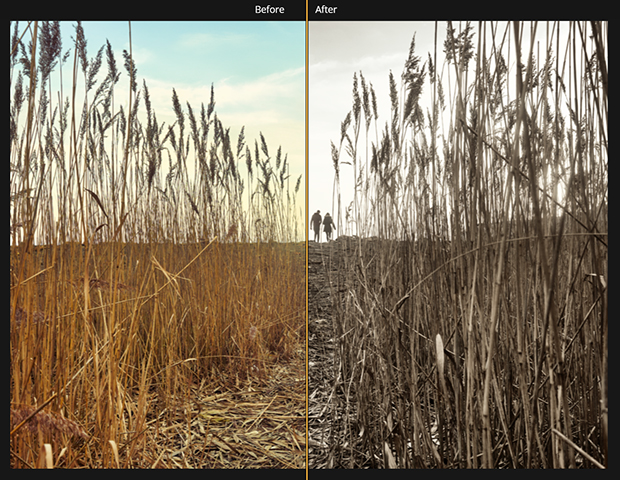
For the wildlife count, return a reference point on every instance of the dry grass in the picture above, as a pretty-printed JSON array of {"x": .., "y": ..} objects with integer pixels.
[
  {"x": 472, "y": 331},
  {"x": 141, "y": 284}
]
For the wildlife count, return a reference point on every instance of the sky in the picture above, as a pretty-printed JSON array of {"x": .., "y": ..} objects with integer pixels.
[
  {"x": 257, "y": 70},
  {"x": 337, "y": 50},
  {"x": 258, "y": 73}
]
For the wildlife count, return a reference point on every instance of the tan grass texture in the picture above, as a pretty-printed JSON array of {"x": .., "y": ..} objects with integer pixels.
[{"x": 140, "y": 294}]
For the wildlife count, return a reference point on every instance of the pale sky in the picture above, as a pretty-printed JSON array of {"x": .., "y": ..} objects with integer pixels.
[
  {"x": 337, "y": 50},
  {"x": 257, "y": 70},
  {"x": 258, "y": 73}
]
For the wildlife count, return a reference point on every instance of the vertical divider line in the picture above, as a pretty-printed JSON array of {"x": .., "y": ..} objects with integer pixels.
[{"x": 306, "y": 240}]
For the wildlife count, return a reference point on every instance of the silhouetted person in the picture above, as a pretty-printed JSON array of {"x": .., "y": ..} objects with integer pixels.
[
  {"x": 328, "y": 223},
  {"x": 315, "y": 221}
]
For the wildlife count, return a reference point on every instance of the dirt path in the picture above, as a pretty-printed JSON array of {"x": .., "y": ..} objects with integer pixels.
[
  {"x": 320, "y": 354},
  {"x": 324, "y": 263}
]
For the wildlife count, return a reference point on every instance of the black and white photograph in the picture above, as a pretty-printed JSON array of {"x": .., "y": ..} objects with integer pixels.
[{"x": 458, "y": 310}]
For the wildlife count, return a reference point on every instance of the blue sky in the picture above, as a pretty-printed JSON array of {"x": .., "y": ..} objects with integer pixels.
[
  {"x": 200, "y": 52},
  {"x": 258, "y": 73},
  {"x": 257, "y": 70}
]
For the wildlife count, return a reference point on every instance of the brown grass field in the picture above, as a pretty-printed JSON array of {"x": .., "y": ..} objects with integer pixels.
[
  {"x": 157, "y": 317},
  {"x": 469, "y": 313},
  {"x": 158, "y": 283}
]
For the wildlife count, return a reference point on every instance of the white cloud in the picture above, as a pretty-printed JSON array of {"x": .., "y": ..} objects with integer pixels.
[
  {"x": 273, "y": 105},
  {"x": 141, "y": 56},
  {"x": 281, "y": 94},
  {"x": 278, "y": 87},
  {"x": 212, "y": 41}
]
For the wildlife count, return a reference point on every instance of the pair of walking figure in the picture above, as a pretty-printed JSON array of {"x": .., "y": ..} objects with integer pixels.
[{"x": 327, "y": 222}]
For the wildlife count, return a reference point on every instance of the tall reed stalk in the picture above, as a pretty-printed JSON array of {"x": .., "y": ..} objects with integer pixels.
[
  {"x": 138, "y": 266},
  {"x": 472, "y": 320}
]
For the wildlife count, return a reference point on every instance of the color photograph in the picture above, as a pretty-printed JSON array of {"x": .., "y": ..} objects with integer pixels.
[{"x": 157, "y": 265}]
